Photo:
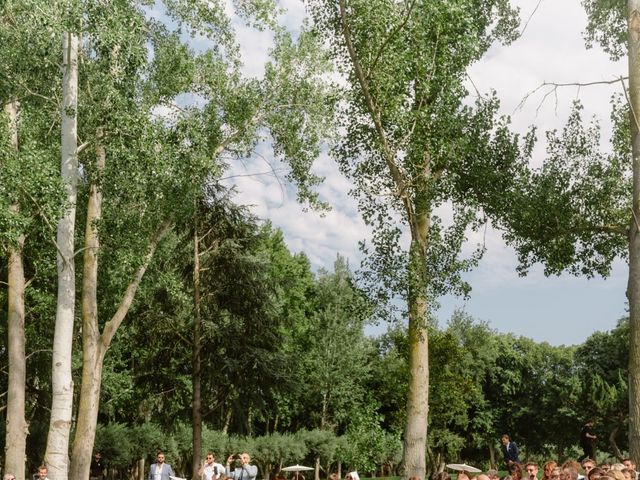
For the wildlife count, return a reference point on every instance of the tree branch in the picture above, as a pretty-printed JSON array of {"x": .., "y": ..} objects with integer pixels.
[
  {"x": 82, "y": 147},
  {"x": 633, "y": 112},
  {"x": 37, "y": 351},
  {"x": 233, "y": 136},
  {"x": 554, "y": 87},
  {"x": 113, "y": 324},
  {"x": 46, "y": 220},
  {"x": 256, "y": 174},
  {"x": 386, "y": 41},
  {"x": 374, "y": 111},
  {"x": 526, "y": 24},
  {"x": 38, "y": 95}
]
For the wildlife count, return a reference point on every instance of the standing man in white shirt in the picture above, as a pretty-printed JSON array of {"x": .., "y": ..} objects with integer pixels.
[
  {"x": 243, "y": 470},
  {"x": 160, "y": 470},
  {"x": 211, "y": 470}
]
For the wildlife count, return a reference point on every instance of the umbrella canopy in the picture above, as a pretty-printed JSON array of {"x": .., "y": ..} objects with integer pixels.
[
  {"x": 463, "y": 467},
  {"x": 297, "y": 468}
]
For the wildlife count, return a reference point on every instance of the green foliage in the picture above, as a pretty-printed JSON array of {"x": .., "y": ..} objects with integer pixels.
[
  {"x": 29, "y": 177},
  {"x": 328, "y": 352},
  {"x": 366, "y": 445},
  {"x": 284, "y": 348},
  {"x": 299, "y": 106},
  {"x": 390, "y": 376},
  {"x": 114, "y": 442},
  {"x": 272, "y": 450},
  {"x": 602, "y": 363},
  {"x": 321, "y": 444},
  {"x": 214, "y": 441},
  {"x": 572, "y": 213},
  {"x": 607, "y": 26}
]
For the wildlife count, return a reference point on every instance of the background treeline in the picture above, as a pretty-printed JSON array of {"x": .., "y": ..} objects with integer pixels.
[{"x": 290, "y": 375}]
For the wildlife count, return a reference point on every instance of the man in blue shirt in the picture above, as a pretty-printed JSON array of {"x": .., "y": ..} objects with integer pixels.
[
  {"x": 243, "y": 471},
  {"x": 510, "y": 451}
]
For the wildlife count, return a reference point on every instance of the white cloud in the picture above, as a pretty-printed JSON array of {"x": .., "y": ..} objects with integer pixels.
[
  {"x": 550, "y": 50},
  {"x": 321, "y": 236}
]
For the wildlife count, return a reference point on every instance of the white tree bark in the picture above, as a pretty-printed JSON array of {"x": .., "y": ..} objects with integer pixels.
[
  {"x": 57, "y": 452},
  {"x": 17, "y": 428},
  {"x": 415, "y": 437}
]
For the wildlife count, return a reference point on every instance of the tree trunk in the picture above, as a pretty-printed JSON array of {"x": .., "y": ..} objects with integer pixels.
[
  {"x": 57, "y": 451},
  {"x": 93, "y": 350},
  {"x": 17, "y": 427},
  {"x": 92, "y": 361},
  {"x": 140, "y": 472},
  {"x": 431, "y": 460},
  {"x": 614, "y": 446},
  {"x": 492, "y": 455},
  {"x": 633, "y": 287},
  {"x": 418, "y": 215},
  {"x": 197, "y": 355},
  {"x": 415, "y": 438},
  {"x": 325, "y": 408},
  {"x": 227, "y": 421}
]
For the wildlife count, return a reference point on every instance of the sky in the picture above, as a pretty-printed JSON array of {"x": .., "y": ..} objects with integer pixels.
[{"x": 559, "y": 310}]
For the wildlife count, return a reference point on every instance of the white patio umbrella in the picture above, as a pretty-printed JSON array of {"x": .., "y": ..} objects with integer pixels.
[
  {"x": 296, "y": 468},
  {"x": 463, "y": 467}
]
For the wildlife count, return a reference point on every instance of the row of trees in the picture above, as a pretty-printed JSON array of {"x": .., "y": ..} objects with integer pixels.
[
  {"x": 142, "y": 125},
  {"x": 122, "y": 446},
  {"x": 324, "y": 393}
]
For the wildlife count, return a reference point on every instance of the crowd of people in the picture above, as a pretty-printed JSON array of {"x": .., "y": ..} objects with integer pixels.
[
  {"x": 40, "y": 475},
  {"x": 584, "y": 468},
  {"x": 238, "y": 467},
  {"x": 551, "y": 470}
]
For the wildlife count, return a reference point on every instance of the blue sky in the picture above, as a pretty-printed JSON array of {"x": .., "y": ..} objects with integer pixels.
[{"x": 560, "y": 310}]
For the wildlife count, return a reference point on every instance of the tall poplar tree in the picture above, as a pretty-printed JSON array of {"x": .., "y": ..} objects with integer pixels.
[
  {"x": 17, "y": 428},
  {"x": 415, "y": 149},
  {"x": 28, "y": 187},
  {"x": 56, "y": 456}
]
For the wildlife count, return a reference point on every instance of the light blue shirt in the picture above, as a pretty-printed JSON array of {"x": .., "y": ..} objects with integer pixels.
[{"x": 246, "y": 472}]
